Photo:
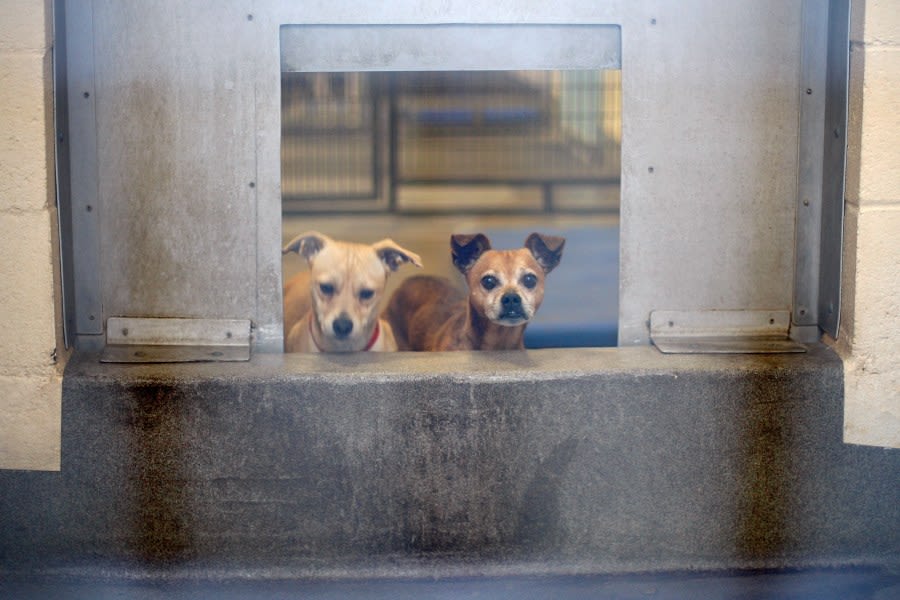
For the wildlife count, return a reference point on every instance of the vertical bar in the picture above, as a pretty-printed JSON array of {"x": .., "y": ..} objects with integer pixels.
[
  {"x": 372, "y": 108},
  {"x": 547, "y": 194},
  {"x": 63, "y": 174},
  {"x": 85, "y": 201},
  {"x": 393, "y": 145},
  {"x": 810, "y": 152},
  {"x": 835, "y": 134}
]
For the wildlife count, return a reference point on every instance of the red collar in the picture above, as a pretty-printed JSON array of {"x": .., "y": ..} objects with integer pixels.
[
  {"x": 371, "y": 343},
  {"x": 374, "y": 337}
]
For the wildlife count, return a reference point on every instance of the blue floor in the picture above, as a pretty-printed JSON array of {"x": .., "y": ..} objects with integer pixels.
[
  {"x": 843, "y": 584},
  {"x": 581, "y": 299}
]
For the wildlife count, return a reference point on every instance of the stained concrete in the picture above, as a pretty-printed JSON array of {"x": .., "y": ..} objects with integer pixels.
[
  {"x": 816, "y": 584},
  {"x": 567, "y": 461}
]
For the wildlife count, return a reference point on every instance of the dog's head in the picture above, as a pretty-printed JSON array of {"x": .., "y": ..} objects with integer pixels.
[
  {"x": 347, "y": 282},
  {"x": 506, "y": 286}
]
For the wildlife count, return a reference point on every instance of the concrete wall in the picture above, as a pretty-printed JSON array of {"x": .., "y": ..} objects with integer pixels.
[
  {"x": 870, "y": 311},
  {"x": 581, "y": 461},
  {"x": 30, "y": 379}
]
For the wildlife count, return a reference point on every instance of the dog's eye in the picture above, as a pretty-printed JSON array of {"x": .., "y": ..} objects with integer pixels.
[
  {"x": 326, "y": 288},
  {"x": 489, "y": 282},
  {"x": 366, "y": 294},
  {"x": 529, "y": 281}
]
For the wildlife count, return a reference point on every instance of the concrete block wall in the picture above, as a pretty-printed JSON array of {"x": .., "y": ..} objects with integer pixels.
[
  {"x": 30, "y": 373},
  {"x": 870, "y": 312}
]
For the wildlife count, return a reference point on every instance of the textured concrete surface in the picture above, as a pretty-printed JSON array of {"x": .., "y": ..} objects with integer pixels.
[
  {"x": 568, "y": 461},
  {"x": 845, "y": 584}
]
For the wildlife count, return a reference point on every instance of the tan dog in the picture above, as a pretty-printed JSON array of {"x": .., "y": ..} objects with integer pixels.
[
  {"x": 333, "y": 307},
  {"x": 506, "y": 288}
]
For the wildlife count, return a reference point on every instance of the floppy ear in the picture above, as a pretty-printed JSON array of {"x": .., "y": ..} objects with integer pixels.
[
  {"x": 393, "y": 255},
  {"x": 546, "y": 249},
  {"x": 466, "y": 249},
  {"x": 307, "y": 244}
]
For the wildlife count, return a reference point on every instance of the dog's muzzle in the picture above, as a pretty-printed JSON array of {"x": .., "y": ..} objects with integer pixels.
[
  {"x": 511, "y": 307},
  {"x": 342, "y": 326}
]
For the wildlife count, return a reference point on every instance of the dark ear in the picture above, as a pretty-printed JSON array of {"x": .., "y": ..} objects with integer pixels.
[
  {"x": 393, "y": 255},
  {"x": 546, "y": 249},
  {"x": 467, "y": 248},
  {"x": 307, "y": 244}
]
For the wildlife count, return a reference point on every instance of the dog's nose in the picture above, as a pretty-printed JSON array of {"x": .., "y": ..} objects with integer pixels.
[
  {"x": 342, "y": 326},
  {"x": 511, "y": 300}
]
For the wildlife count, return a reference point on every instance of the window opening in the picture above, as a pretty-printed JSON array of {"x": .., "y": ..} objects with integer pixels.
[{"x": 419, "y": 155}]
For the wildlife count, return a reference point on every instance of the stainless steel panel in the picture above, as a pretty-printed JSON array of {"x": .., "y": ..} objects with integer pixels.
[
  {"x": 186, "y": 163},
  {"x": 449, "y": 47},
  {"x": 84, "y": 201},
  {"x": 177, "y": 158},
  {"x": 709, "y": 158},
  {"x": 722, "y": 332},
  {"x": 151, "y": 340},
  {"x": 834, "y": 162},
  {"x": 809, "y": 179}
]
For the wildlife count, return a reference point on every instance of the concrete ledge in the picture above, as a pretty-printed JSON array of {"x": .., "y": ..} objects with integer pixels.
[{"x": 556, "y": 461}]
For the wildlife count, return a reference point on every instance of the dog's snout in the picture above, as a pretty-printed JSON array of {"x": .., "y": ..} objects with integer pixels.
[
  {"x": 342, "y": 326},
  {"x": 511, "y": 299}
]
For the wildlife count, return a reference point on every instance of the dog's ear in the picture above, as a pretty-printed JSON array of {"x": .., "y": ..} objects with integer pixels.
[
  {"x": 393, "y": 256},
  {"x": 307, "y": 244},
  {"x": 467, "y": 248},
  {"x": 546, "y": 249}
]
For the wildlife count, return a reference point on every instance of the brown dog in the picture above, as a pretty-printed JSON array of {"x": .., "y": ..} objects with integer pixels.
[
  {"x": 333, "y": 307},
  {"x": 506, "y": 288}
]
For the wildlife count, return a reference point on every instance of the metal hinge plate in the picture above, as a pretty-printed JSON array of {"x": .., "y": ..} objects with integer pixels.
[
  {"x": 161, "y": 340},
  {"x": 722, "y": 332}
]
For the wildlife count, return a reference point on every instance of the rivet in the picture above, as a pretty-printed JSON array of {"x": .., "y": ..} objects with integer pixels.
[
  {"x": 649, "y": 169},
  {"x": 87, "y": 94},
  {"x": 90, "y": 317},
  {"x": 806, "y": 202},
  {"x": 89, "y": 208},
  {"x": 808, "y": 91}
]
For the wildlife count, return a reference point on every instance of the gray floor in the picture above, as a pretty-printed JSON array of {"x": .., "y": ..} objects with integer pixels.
[{"x": 847, "y": 584}]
